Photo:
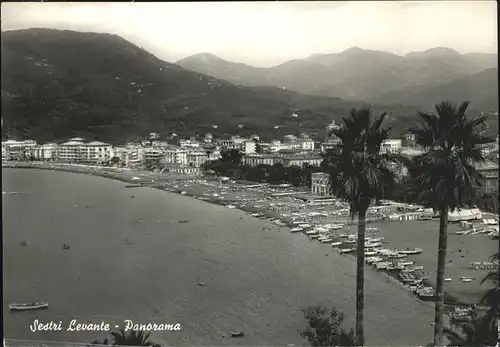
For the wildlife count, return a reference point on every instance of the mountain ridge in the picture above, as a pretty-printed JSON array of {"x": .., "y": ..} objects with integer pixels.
[
  {"x": 354, "y": 73},
  {"x": 61, "y": 84}
]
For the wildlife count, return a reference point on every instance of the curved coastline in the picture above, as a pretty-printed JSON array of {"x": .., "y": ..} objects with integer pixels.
[
  {"x": 398, "y": 304},
  {"x": 161, "y": 181}
]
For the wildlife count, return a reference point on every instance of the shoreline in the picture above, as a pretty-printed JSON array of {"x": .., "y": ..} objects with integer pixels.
[{"x": 142, "y": 178}]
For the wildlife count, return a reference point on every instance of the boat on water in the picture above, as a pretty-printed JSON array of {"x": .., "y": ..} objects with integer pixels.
[
  {"x": 413, "y": 268},
  {"x": 382, "y": 265},
  {"x": 326, "y": 240},
  {"x": 237, "y": 334},
  {"x": 448, "y": 279},
  {"x": 344, "y": 236},
  {"x": 410, "y": 251},
  {"x": 370, "y": 253},
  {"x": 373, "y": 244},
  {"x": 314, "y": 236},
  {"x": 311, "y": 232},
  {"x": 29, "y": 306},
  {"x": 466, "y": 279},
  {"x": 406, "y": 263},
  {"x": 349, "y": 242},
  {"x": 336, "y": 226},
  {"x": 296, "y": 230},
  {"x": 374, "y": 260},
  {"x": 346, "y": 250},
  {"x": 372, "y": 230},
  {"x": 336, "y": 243}
]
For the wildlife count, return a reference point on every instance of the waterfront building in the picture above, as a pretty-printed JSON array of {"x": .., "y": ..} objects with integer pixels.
[
  {"x": 391, "y": 146},
  {"x": 176, "y": 155},
  {"x": 295, "y": 159},
  {"x": 197, "y": 158},
  {"x": 320, "y": 183},
  {"x": 70, "y": 151},
  {"x": 75, "y": 151},
  {"x": 183, "y": 169},
  {"x": 16, "y": 150},
  {"x": 47, "y": 151},
  {"x": 490, "y": 172},
  {"x": 135, "y": 155},
  {"x": 153, "y": 154}
]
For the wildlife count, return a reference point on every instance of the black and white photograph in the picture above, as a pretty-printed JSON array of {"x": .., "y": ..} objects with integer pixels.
[{"x": 259, "y": 173}]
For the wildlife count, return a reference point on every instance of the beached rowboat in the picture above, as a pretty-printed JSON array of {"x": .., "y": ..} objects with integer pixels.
[{"x": 30, "y": 306}]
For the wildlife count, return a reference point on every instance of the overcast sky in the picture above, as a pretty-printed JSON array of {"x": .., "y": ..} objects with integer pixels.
[{"x": 264, "y": 34}]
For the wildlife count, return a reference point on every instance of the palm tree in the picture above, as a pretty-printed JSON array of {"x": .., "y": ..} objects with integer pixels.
[
  {"x": 445, "y": 176},
  {"x": 476, "y": 331},
  {"x": 359, "y": 174},
  {"x": 133, "y": 338},
  {"x": 492, "y": 297}
]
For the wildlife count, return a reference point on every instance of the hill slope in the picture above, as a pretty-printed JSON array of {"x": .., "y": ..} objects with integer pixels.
[
  {"x": 61, "y": 84},
  {"x": 353, "y": 74},
  {"x": 481, "y": 89}
]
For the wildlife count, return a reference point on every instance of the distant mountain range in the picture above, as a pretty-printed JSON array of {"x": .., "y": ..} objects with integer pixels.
[
  {"x": 61, "y": 84},
  {"x": 359, "y": 74}
]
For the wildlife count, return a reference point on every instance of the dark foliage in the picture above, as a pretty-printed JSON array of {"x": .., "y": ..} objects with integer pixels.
[{"x": 324, "y": 328}]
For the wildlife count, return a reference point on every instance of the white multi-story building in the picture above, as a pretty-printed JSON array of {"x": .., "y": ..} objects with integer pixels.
[
  {"x": 153, "y": 154},
  {"x": 249, "y": 147},
  {"x": 320, "y": 183},
  {"x": 391, "y": 146},
  {"x": 307, "y": 144},
  {"x": 197, "y": 159},
  {"x": 75, "y": 150},
  {"x": 47, "y": 151},
  {"x": 70, "y": 151},
  {"x": 135, "y": 154},
  {"x": 12, "y": 150}
]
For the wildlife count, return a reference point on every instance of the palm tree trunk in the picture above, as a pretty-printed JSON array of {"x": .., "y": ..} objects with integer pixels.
[
  {"x": 360, "y": 279},
  {"x": 439, "y": 307}
]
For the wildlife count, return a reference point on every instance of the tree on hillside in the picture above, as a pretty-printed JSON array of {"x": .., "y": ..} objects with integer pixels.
[
  {"x": 325, "y": 329},
  {"x": 444, "y": 177},
  {"x": 359, "y": 174}
]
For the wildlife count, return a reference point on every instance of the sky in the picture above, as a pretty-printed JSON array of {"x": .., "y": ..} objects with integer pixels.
[{"x": 269, "y": 33}]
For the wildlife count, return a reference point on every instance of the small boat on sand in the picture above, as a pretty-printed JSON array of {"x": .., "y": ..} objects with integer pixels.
[{"x": 30, "y": 306}]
